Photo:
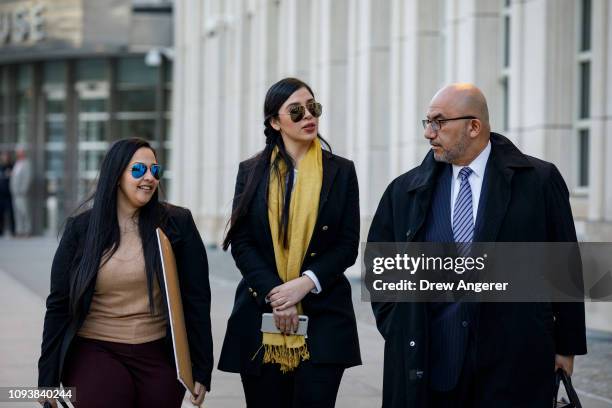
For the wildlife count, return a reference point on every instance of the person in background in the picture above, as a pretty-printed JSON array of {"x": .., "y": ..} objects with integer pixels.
[
  {"x": 106, "y": 328},
  {"x": 21, "y": 178},
  {"x": 6, "y": 201}
]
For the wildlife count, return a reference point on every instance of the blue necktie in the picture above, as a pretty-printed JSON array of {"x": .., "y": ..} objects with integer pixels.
[{"x": 463, "y": 220}]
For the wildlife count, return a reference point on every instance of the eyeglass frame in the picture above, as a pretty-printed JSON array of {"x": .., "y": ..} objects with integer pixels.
[
  {"x": 147, "y": 168},
  {"x": 427, "y": 122},
  {"x": 303, "y": 109}
]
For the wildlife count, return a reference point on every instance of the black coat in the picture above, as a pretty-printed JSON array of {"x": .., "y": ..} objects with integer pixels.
[
  {"x": 60, "y": 327},
  {"x": 332, "y": 330},
  {"x": 527, "y": 201}
]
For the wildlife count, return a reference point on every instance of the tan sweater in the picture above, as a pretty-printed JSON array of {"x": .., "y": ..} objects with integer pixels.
[{"x": 119, "y": 310}]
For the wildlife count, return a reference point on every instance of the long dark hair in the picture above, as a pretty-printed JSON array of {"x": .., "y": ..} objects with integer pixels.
[
  {"x": 103, "y": 235},
  {"x": 275, "y": 98}
]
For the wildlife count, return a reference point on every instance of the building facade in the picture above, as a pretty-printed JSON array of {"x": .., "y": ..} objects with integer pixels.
[
  {"x": 545, "y": 67},
  {"x": 74, "y": 76}
]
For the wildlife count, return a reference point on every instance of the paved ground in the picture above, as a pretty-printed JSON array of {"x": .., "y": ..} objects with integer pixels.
[{"x": 24, "y": 281}]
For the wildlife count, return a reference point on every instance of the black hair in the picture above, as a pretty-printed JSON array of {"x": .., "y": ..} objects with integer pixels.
[
  {"x": 103, "y": 235},
  {"x": 275, "y": 98}
]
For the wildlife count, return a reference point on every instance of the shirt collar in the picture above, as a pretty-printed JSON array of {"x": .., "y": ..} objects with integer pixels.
[{"x": 477, "y": 165}]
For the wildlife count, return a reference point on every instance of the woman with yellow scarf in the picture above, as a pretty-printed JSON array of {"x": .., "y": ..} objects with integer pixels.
[{"x": 294, "y": 230}]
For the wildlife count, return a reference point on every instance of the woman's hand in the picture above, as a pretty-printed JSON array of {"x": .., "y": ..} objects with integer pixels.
[
  {"x": 286, "y": 320},
  {"x": 200, "y": 391},
  {"x": 290, "y": 293}
]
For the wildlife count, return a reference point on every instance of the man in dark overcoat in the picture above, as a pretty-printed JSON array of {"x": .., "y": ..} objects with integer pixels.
[{"x": 475, "y": 186}]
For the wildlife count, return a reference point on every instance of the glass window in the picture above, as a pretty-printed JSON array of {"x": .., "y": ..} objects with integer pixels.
[
  {"x": 90, "y": 160},
  {"x": 583, "y": 151},
  {"x": 54, "y": 160},
  {"x": 24, "y": 78},
  {"x": 168, "y": 68},
  {"x": 24, "y": 103},
  {"x": 585, "y": 26},
  {"x": 136, "y": 100},
  {"x": 92, "y": 105},
  {"x": 92, "y": 131},
  {"x": 137, "y": 128},
  {"x": 134, "y": 71},
  {"x": 585, "y": 89},
  {"x": 54, "y": 72},
  {"x": 92, "y": 70},
  {"x": 56, "y": 131}
]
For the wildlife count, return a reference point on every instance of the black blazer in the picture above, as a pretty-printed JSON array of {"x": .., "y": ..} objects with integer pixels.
[
  {"x": 60, "y": 327},
  {"x": 526, "y": 201},
  {"x": 332, "y": 330}
]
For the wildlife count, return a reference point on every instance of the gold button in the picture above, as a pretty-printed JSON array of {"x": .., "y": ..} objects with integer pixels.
[
  {"x": 254, "y": 294},
  {"x": 313, "y": 254},
  {"x": 251, "y": 290},
  {"x": 325, "y": 228}
]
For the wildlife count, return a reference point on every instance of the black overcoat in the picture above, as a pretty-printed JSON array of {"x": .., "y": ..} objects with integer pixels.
[
  {"x": 60, "y": 327},
  {"x": 332, "y": 330},
  {"x": 527, "y": 201}
]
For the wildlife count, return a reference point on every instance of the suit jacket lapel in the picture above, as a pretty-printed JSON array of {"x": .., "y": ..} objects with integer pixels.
[{"x": 330, "y": 169}]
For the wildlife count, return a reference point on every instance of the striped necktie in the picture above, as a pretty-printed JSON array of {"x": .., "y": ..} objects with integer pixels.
[{"x": 463, "y": 220}]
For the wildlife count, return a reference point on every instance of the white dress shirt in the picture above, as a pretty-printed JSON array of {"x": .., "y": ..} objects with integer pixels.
[{"x": 478, "y": 166}]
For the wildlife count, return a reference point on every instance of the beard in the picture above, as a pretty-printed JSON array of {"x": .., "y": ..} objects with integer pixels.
[{"x": 455, "y": 152}]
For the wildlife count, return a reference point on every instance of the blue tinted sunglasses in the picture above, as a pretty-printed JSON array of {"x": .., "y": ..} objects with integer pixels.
[{"x": 140, "y": 169}]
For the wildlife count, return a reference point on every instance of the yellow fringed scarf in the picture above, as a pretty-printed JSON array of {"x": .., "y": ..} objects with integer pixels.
[{"x": 290, "y": 350}]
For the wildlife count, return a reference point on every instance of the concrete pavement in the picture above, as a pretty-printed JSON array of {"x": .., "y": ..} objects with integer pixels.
[{"x": 24, "y": 282}]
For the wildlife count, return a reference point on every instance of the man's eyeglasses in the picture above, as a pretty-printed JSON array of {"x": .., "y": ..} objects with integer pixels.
[
  {"x": 139, "y": 169},
  {"x": 436, "y": 124},
  {"x": 297, "y": 112}
]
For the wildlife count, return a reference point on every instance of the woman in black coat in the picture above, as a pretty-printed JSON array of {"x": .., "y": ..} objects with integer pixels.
[
  {"x": 105, "y": 329},
  {"x": 273, "y": 215}
]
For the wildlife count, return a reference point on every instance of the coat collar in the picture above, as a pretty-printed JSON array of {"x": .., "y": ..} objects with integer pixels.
[
  {"x": 504, "y": 159},
  {"x": 503, "y": 162},
  {"x": 505, "y": 156},
  {"x": 330, "y": 169}
]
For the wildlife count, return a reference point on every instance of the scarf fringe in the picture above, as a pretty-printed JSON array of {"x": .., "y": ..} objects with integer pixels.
[{"x": 288, "y": 357}]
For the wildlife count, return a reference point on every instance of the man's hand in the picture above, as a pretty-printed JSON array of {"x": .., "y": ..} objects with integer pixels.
[
  {"x": 566, "y": 363},
  {"x": 290, "y": 293},
  {"x": 286, "y": 320},
  {"x": 200, "y": 391}
]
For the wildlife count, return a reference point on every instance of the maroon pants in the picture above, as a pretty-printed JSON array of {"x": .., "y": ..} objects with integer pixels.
[{"x": 121, "y": 375}]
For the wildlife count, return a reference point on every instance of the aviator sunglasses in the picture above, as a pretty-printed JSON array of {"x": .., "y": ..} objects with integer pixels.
[
  {"x": 297, "y": 112},
  {"x": 139, "y": 169}
]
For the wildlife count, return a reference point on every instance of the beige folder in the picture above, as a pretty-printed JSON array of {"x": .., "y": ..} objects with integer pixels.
[{"x": 175, "y": 312}]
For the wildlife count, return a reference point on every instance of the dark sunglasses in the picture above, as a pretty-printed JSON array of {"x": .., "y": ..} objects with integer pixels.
[
  {"x": 297, "y": 112},
  {"x": 139, "y": 169}
]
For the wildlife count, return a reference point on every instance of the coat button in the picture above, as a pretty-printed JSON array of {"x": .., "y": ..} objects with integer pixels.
[
  {"x": 325, "y": 228},
  {"x": 412, "y": 343},
  {"x": 250, "y": 290},
  {"x": 254, "y": 294},
  {"x": 312, "y": 254}
]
